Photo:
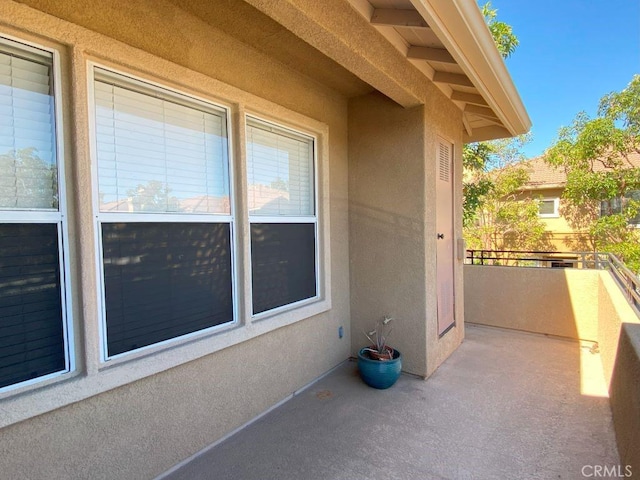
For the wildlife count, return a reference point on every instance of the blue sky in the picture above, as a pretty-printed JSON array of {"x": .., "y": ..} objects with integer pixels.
[{"x": 571, "y": 53}]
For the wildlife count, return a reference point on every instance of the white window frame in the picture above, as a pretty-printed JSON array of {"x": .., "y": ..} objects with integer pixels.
[
  {"x": 147, "y": 86},
  {"x": 287, "y": 219},
  {"x": 43, "y": 216},
  {"x": 556, "y": 204}
]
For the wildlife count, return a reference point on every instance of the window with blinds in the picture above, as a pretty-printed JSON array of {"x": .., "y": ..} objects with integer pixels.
[
  {"x": 279, "y": 171},
  {"x": 167, "y": 274},
  {"x": 33, "y": 343},
  {"x": 282, "y": 213}
]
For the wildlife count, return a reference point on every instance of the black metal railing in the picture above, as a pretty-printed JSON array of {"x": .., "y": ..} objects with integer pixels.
[{"x": 519, "y": 258}]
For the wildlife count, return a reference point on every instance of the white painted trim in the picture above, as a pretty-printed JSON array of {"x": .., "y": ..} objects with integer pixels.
[
  {"x": 556, "y": 205},
  {"x": 284, "y": 219},
  {"x": 50, "y": 216},
  {"x": 147, "y": 87}
]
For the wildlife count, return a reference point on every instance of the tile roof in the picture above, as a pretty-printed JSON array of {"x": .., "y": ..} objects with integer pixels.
[{"x": 542, "y": 175}]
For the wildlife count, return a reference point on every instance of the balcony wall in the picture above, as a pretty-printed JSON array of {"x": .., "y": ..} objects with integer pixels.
[{"x": 577, "y": 304}]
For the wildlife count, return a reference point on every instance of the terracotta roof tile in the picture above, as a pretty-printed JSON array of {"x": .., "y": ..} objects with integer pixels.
[{"x": 542, "y": 174}]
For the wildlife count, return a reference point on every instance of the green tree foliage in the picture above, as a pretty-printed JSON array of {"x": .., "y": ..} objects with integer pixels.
[
  {"x": 500, "y": 218},
  {"x": 595, "y": 154},
  {"x": 502, "y": 33},
  {"x": 478, "y": 157}
]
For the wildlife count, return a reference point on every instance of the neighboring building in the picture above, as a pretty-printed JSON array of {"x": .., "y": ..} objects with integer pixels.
[
  {"x": 547, "y": 183},
  {"x": 204, "y": 204}
]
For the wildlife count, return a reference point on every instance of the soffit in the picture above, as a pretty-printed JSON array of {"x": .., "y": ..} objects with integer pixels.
[
  {"x": 252, "y": 27},
  {"x": 425, "y": 31}
]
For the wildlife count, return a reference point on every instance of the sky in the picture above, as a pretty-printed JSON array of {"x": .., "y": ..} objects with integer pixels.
[{"x": 571, "y": 53}]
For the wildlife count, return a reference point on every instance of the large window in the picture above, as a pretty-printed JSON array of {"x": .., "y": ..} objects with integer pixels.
[
  {"x": 164, "y": 213},
  {"x": 33, "y": 306},
  {"x": 282, "y": 214}
]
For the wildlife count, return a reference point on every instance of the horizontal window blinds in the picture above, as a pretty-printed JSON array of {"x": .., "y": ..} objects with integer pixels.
[
  {"x": 164, "y": 280},
  {"x": 28, "y": 171},
  {"x": 283, "y": 264},
  {"x": 31, "y": 329},
  {"x": 279, "y": 171},
  {"x": 159, "y": 152}
]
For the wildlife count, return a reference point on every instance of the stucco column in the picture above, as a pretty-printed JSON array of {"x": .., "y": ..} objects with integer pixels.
[{"x": 387, "y": 224}]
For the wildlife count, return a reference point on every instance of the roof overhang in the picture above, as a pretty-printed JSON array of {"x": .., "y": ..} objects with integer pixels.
[
  {"x": 460, "y": 26},
  {"x": 393, "y": 45},
  {"x": 450, "y": 43}
]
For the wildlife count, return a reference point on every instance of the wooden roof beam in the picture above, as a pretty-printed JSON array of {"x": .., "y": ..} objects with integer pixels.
[
  {"x": 430, "y": 54},
  {"x": 391, "y": 17},
  {"x": 468, "y": 98},
  {"x": 483, "y": 112},
  {"x": 452, "y": 78}
]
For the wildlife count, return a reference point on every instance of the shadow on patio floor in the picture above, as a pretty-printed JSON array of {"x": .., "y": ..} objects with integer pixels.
[{"x": 505, "y": 405}]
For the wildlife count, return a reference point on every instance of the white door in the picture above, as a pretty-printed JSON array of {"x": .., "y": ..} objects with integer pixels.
[{"x": 445, "y": 244}]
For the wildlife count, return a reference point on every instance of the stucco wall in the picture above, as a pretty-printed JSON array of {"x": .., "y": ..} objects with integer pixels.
[
  {"x": 142, "y": 428},
  {"x": 392, "y": 172},
  {"x": 555, "y": 301},
  {"x": 624, "y": 394},
  {"x": 386, "y": 185},
  {"x": 619, "y": 339},
  {"x": 613, "y": 311}
]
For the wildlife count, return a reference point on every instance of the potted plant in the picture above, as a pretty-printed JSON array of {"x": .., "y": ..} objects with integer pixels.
[{"x": 379, "y": 364}]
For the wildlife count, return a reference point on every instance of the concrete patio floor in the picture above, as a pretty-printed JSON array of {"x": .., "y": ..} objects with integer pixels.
[{"x": 505, "y": 405}]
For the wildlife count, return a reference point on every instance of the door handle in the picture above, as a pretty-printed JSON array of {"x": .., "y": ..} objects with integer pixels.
[{"x": 441, "y": 236}]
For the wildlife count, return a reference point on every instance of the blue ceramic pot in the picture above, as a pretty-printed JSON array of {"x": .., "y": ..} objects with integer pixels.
[{"x": 379, "y": 373}]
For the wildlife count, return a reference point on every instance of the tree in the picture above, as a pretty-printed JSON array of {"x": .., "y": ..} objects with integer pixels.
[
  {"x": 495, "y": 217},
  {"x": 502, "y": 33},
  {"x": 477, "y": 157},
  {"x": 502, "y": 220},
  {"x": 601, "y": 195}
]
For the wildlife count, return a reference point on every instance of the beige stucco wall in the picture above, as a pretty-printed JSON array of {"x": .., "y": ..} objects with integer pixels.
[
  {"x": 614, "y": 311},
  {"x": 145, "y": 426},
  {"x": 562, "y": 235},
  {"x": 392, "y": 172},
  {"x": 619, "y": 339},
  {"x": 555, "y": 301},
  {"x": 624, "y": 394}
]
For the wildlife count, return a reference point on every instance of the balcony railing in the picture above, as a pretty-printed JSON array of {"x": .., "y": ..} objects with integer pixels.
[{"x": 628, "y": 282}]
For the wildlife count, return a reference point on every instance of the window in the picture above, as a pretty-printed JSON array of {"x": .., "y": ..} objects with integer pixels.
[
  {"x": 548, "y": 207},
  {"x": 164, "y": 213},
  {"x": 282, "y": 214},
  {"x": 616, "y": 205},
  {"x": 34, "y": 342}
]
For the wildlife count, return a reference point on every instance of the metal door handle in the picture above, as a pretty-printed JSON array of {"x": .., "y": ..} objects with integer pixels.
[{"x": 441, "y": 236}]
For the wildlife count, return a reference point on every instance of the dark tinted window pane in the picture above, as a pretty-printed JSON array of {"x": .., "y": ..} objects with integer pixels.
[
  {"x": 164, "y": 280},
  {"x": 547, "y": 207},
  {"x": 283, "y": 264},
  {"x": 31, "y": 329}
]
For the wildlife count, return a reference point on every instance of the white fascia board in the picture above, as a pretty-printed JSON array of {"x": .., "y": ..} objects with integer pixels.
[{"x": 460, "y": 26}]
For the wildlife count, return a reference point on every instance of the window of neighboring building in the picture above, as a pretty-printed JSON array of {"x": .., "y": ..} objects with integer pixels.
[
  {"x": 165, "y": 224},
  {"x": 282, "y": 214},
  {"x": 34, "y": 343},
  {"x": 548, "y": 207},
  {"x": 616, "y": 205}
]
